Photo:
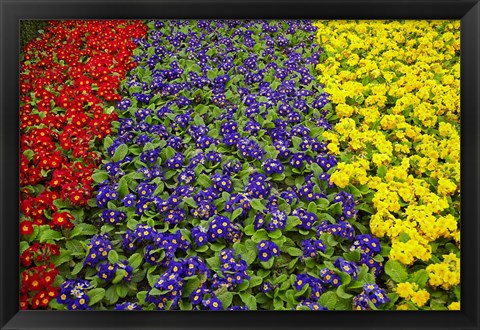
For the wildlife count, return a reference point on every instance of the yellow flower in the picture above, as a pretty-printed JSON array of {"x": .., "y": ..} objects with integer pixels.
[
  {"x": 420, "y": 297},
  {"x": 446, "y": 187},
  {"x": 454, "y": 306},
  {"x": 343, "y": 110},
  {"x": 340, "y": 179},
  {"x": 445, "y": 274},
  {"x": 405, "y": 290},
  {"x": 403, "y": 307}
]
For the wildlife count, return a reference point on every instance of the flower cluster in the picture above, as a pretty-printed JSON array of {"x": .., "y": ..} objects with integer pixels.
[
  {"x": 73, "y": 293},
  {"x": 267, "y": 250},
  {"x": 99, "y": 247},
  {"x": 371, "y": 294},
  {"x": 38, "y": 280},
  {"x": 316, "y": 286},
  {"x": 222, "y": 178},
  {"x": 395, "y": 92},
  {"x": 311, "y": 247},
  {"x": 68, "y": 76},
  {"x": 232, "y": 273}
]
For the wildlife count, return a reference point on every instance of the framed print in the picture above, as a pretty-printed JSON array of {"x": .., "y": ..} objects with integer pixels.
[{"x": 279, "y": 164}]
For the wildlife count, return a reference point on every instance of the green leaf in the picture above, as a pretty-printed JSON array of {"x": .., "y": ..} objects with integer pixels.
[
  {"x": 420, "y": 277},
  {"x": 344, "y": 305},
  {"x": 23, "y": 246},
  {"x": 249, "y": 300},
  {"x": 135, "y": 260},
  {"x": 120, "y": 153},
  {"x": 217, "y": 247},
  {"x": 122, "y": 187},
  {"x": 352, "y": 255},
  {"x": 236, "y": 213},
  {"x": 278, "y": 177},
  {"x": 141, "y": 297},
  {"x": 131, "y": 224},
  {"x": 204, "y": 181},
  {"x": 185, "y": 305},
  {"x": 255, "y": 281},
  {"x": 277, "y": 233},
  {"x": 296, "y": 141},
  {"x": 100, "y": 177},
  {"x": 268, "y": 264},
  {"x": 381, "y": 171},
  {"x": 342, "y": 294},
  {"x": 260, "y": 235},
  {"x": 119, "y": 275},
  {"x": 113, "y": 256},
  {"x": 53, "y": 304},
  {"x": 156, "y": 292},
  {"x": 292, "y": 263},
  {"x": 323, "y": 203},
  {"x": 365, "y": 207},
  {"x": 312, "y": 207},
  {"x": 61, "y": 204},
  {"x": 49, "y": 235},
  {"x": 292, "y": 222},
  {"x": 29, "y": 154},
  {"x": 214, "y": 263},
  {"x": 396, "y": 271},
  {"x": 75, "y": 247},
  {"x": 111, "y": 295},
  {"x": 190, "y": 202},
  {"x": 95, "y": 295},
  {"x": 62, "y": 258},
  {"x": 122, "y": 290},
  {"x": 257, "y": 204},
  {"x": 326, "y": 216},
  {"x": 248, "y": 230},
  {"x": 250, "y": 256},
  {"x": 317, "y": 170},
  {"x": 83, "y": 229},
  {"x": 202, "y": 248},
  {"x": 294, "y": 252},
  {"x": 212, "y": 74},
  {"x": 198, "y": 120},
  {"x": 335, "y": 208},
  {"x": 242, "y": 286},
  {"x": 328, "y": 299},
  {"x": 107, "y": 142},
  {"x": 78, "y": 267},
  {"x": 278, "y": 304},
  {"x": 226, "y": 299},
  {"x": 404, "y": 237},
  {"x": 190, "y": 286}
]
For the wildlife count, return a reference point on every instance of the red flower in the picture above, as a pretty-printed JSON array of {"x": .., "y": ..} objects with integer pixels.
[
  {"x": 24, "y": 302},
  {"x": 26, "y": 258},
  {"x": 52, "y": 292},
  {"x": 62, "y": 219},
  {"x": 48, "y": 277},
  {"x": 35, "y": 302},
  {"x": 26, "y": 228},
  {"x": 34, "y": 283}
]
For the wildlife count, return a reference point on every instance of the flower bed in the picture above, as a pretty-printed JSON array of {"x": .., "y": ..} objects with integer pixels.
[
  {"x": 68, "y": 76},
  {"x": 395, "y": 90},
  {"x": 241, "y": 165},
  {"x": 215, "y": 193}
]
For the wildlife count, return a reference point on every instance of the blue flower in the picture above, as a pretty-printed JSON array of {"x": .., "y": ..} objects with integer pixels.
[{"x": 267, "y": 250}]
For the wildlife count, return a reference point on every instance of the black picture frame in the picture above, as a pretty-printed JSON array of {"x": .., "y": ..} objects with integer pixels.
[{"x": 12, "y": 11}]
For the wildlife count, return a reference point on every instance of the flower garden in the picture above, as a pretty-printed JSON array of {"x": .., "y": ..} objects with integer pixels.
[{"x": 240, "y": 165}]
